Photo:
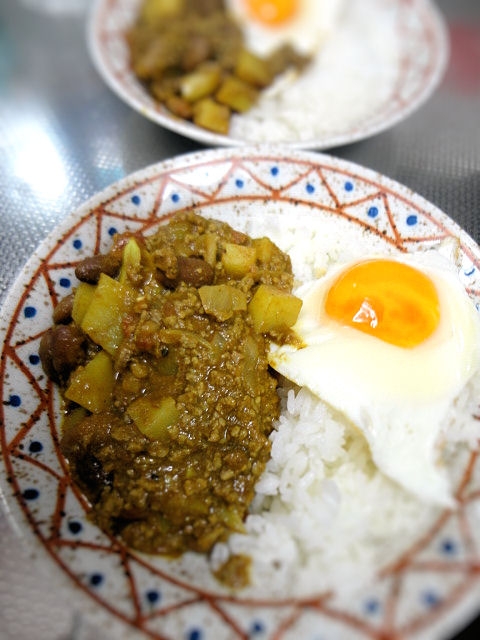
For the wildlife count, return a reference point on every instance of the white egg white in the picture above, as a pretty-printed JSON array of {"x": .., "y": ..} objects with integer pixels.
[
  {"x": 305, "y": 32},
  {"x": 397, "y": 397}
]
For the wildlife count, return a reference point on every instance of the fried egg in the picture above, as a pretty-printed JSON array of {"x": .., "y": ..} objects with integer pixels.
[
  {"x": 269, "y": 24},
  {"x": 389, "y": 342}
]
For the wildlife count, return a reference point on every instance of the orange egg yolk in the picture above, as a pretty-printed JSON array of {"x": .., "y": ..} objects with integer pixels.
[
  {"x": 387, "y": 299},
  {"x": 272, "y": 12}
]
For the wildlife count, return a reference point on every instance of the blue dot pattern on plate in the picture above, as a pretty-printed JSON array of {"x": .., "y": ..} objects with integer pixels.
[
  {"x": 136, "y": 199},
  {"x": 448, "y": 547},
  {"x": 96, "y": 579},
  {"x": 430, "y": 598},
  {"x": 309, "y": 188},
  {"x": 14, "y": 400},
  {"x": 274, "y": 171},
  {"x": 65, "y": 282},
  {"x": 30, "y": 312},
  {"x": 348, "y": 186},
  {"x": 153, "y": 596},
  {"x": 412, "y": 220},
  {"x": 175, "y": 197},
  {"x": 194, "y": 634},
  {"x": 372, "y": 606},
  {"x": 112, "y": 231},
  {"x": 239, "y": 183},
  {"x": 75, "y": 527},
  {"x": 77, "y": 244},
  {"x": 372, "y": 212},
  {"x": 35, "y": 447},
  {"x": 34, "y": 358},
  {"x": 31, "y": 494},
  {"x": 257, "y": 627}
]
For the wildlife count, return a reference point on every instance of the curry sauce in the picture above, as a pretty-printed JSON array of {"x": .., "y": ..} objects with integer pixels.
[{"x": 161, "y": 358}]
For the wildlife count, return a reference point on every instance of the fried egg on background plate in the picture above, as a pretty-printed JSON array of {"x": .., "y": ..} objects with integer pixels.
[
  {"x": 269, "y": 24},
  {"x": 390, "y": 343}
]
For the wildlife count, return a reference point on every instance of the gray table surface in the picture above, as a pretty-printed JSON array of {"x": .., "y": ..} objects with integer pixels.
[{"x": 56, "y": 111}]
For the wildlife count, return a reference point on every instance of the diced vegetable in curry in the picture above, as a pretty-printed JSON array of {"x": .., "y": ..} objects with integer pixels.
[
  {"x": 161, "y": 358},
  {"x": 190, "y": 54}
]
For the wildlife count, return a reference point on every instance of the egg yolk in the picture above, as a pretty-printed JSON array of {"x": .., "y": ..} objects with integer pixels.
[
  {"x": 387, "y": 299},
  {"x": 272, "y": 12}
]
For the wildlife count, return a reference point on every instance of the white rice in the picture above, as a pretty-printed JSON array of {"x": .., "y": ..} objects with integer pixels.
[
  {"x": 351, "y": 78},
  {"x": 323, "y": 515}
]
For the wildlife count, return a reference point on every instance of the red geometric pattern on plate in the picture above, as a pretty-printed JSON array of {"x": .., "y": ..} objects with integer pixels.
[{"x": 347, "y": 193}]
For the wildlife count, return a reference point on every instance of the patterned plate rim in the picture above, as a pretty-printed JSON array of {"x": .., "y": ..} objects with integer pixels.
[{"x": 463, "y": 602}]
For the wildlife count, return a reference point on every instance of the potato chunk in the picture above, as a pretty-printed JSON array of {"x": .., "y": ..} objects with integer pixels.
[
  {"x": 91, "y": 386},
  {"x": 81, "y": 301},
  {"x": 237, "y": 94},
  {"x": 238, "y": 259},
  {"x": 222, "y": 300},
  {"x": 155, "y": 10},
  {"x": 153, "y": 417},
  {"x": 209, "y": 114},
  {"x": 200, "y": 83},
  {"x": 273, "y": 310},
  {"x": 252, "y": 69},
  {"x": 102, "y": 321},
  {"x": 264, "y": 249}
]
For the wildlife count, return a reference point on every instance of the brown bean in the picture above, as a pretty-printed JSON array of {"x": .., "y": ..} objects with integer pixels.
[
  {"x": 62, "y": 314},
  {"x": 194, "y": 271},
  {"x": 62, "y": 349},
  {"x": 179, "y": 107},
  {"x": 89, "y": 270}
]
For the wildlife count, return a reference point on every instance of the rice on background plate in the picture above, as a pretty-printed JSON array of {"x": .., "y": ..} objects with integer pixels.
[
  {"x": 352, "y": 77},
  {"x": 311, "y": 556}
]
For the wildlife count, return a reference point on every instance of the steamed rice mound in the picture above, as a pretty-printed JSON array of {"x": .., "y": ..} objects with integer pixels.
[
  {"x": 323, "y": 516},
  {"x": 351, "y": 78}
]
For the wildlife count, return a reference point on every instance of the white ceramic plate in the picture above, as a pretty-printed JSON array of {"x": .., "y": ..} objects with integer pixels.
[
  {"x": 432, "y": 590},
  {"x": 391, "y": 67}
]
